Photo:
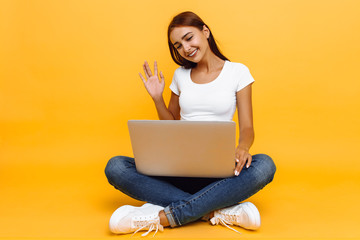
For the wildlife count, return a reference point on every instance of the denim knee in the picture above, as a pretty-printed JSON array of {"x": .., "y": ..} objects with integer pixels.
[
  {"x": 115, "y": 166},
  {"x": 267, "y": 167}
]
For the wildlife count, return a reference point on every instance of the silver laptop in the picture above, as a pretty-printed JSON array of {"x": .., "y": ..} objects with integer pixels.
[{"x": 183, "y": 148}]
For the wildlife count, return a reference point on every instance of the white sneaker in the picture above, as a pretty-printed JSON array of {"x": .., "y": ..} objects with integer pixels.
[
  {"x": 243, "y": 215},
  {"x": 128, "y": 219}
]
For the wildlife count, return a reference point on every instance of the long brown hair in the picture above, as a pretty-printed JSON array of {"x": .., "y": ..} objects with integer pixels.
[{"x": 190, "y": 19}]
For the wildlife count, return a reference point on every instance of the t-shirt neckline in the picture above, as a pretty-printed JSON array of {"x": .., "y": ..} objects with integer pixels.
[{"x": 218, "y": 77}]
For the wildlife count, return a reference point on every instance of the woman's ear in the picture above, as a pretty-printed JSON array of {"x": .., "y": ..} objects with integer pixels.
[{"x": 206, "y": 31}]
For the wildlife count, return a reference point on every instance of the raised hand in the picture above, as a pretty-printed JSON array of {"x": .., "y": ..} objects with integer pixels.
[{"x": 152, "y": 83}]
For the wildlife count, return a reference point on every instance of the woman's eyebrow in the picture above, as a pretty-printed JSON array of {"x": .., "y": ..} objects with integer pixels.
[{"x": 183, "y": 37}]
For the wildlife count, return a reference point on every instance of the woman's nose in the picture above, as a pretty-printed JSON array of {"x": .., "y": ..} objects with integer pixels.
[{"x": 187, "y": 48}]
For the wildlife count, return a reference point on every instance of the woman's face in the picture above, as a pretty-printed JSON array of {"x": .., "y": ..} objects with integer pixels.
[{"x": 190, "y": 42}]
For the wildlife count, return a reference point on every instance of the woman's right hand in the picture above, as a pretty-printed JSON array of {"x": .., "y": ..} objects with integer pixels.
[{"x": 153, "y": 85}]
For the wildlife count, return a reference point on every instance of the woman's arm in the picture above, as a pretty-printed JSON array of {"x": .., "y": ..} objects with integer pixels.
[
  {"x": 155, "y": 88},
  {"x": 170, "y": 113},
  {"x": 244, "y": 105}
]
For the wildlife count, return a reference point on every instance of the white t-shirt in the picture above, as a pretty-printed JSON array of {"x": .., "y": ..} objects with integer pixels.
[{"x": 213, "y": 101}]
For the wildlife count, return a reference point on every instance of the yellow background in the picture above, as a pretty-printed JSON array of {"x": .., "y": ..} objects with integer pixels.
[{"x": 69, "y": 82}]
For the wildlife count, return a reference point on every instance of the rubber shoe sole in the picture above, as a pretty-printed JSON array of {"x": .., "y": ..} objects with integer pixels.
[
  {"x": 117, "y": 216},
  {"x": 255, "y": 216}
]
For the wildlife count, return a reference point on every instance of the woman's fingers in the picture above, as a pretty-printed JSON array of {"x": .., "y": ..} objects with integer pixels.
[
  {"x": 144, "y": 68},
  {"x": 142, "y": 78},
  {"x": 245, "y": 160},
  {"x": 155, "y": 69},
  {"x": 147, "y": 70},
  {"x": 249, "y": 160},
  {"x": 162, "y": 77},
  {"x": 239, "y": 167}
]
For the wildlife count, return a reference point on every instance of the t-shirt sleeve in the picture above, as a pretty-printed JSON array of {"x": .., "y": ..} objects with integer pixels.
[
  {"x": 174, "y": 87},
  {"x": 244, "y": 79}
]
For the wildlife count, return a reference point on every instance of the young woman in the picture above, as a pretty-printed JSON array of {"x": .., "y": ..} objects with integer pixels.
[{"x": 207, "y": 86}]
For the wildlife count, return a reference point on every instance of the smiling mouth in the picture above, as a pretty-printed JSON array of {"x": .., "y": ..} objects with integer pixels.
[{"x": 193, "y": 53}]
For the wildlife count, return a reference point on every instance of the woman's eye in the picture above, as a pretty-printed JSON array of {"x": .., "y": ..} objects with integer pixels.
[
  {"x": 189, "y": 38},
  {"x": 178, "y": 46}
]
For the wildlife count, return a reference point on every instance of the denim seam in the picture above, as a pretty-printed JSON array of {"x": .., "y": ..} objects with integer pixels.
[
  {"x": 193, "y": 199},
  {"x": 169, "y": 215},
  {"x": 177, "y": 221}
]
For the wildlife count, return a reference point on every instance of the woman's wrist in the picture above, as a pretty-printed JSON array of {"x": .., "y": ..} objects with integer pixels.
[
  {"x": 244, "y": 147},
  {"x": 158, "y": 99}
]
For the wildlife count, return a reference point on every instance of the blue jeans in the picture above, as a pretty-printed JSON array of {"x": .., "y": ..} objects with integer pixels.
[{"x": 188, "y": 199}]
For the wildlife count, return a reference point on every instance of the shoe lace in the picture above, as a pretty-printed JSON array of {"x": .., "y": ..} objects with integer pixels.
[
  {"x": 151, "y": 224},
  {"x": 225, "y": 219}
]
